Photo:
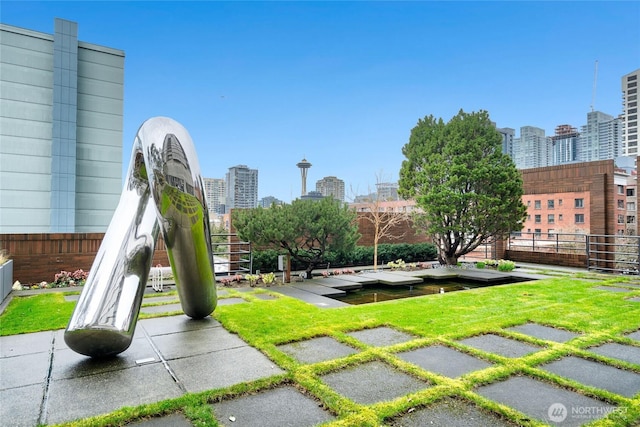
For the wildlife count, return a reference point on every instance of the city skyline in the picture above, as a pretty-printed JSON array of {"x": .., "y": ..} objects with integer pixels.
[{"x": 342, "y": 84}]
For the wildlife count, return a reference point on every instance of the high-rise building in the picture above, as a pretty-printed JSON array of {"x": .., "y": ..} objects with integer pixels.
[
  {"x": 242, "y": 188},
  {"x": 61, "y": 115},
  {"x": 629, "y": 116},
  {"x": 508, "y": 135},
  {"x": 599, "y": 138},
  {"x": 564, "y": 145},
  {"x": 531, "y": 149},
  {"x": 387, "y": 191},
  {"x": 304, "y": 166},
  {"x": 266, "y": 202},
  {"x": 215, "y": 190},
  {"x": 331, "y": 186}
]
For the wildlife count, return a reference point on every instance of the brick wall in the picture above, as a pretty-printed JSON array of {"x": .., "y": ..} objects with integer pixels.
[
  {"x": 566, "y": 260},
  {"x": 38, "y": 257},
  {"x": 404, "y": 229}
]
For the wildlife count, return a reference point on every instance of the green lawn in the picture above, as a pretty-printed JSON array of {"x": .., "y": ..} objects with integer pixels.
[{"x": 568, "y": 302}]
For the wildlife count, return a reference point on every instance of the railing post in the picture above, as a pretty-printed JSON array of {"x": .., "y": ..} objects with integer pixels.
[
  {"x": 586, "y": 246},
  {"x": 533, "y": 242}
]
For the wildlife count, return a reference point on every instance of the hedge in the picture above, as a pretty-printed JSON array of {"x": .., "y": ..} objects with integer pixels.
[{"x": 267, "y": 260}]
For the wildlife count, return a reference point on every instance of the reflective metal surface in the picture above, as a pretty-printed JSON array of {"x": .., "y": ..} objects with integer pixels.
[{"x": 163, "y": 192}]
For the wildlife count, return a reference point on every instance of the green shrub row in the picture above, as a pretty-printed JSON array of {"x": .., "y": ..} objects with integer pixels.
[{"x": 267, "y": 260}]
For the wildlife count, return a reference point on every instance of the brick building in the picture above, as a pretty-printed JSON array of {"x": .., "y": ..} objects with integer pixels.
[{"x": 583, "y": 198}]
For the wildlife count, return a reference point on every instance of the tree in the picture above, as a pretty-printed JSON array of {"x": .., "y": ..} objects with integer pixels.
[
  {"x": 305, "y": 229},
  {"x": 384, "y": 221},
  {"x": 467, "y": 189}
]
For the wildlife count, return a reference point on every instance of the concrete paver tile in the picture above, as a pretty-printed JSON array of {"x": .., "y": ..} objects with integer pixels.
[
  {"x": 615, "y": 380},
  {"x": 20, "y": 407},
  {"x": 317, "y": 350},
  {"x": 444, "y": 360},
  {"x": 544, "y": 401},
  {"x": 499, "y": 345},
  {"x": 373, "y": 382},
  {"x": 449, "y": 413},
  {"x": 105, "y": 392},
  {"x": 15, "y": 345},
  {"x": 23, "y": 370},
  {"x": 223, "y": 368},
  {"x": 628, "y": 353},
  {"x": 191, "y": 343},
  {"x": 283, "y": 406},
  {"x": 545, "y": 332},
  {"x": 69, "y": 364},
  {"x": 172, "y": 324},
  {"x": 381, "y": 337}
]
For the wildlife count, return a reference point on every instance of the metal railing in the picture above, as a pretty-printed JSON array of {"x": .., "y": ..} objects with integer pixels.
[
  {"x": 231, "y": 256},
  {"x": 558, "y": 243},
  {"x": 613, "y": 254}
]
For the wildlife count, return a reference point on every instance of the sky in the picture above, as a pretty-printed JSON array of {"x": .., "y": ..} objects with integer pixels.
[{"x": 341, "y": 84}]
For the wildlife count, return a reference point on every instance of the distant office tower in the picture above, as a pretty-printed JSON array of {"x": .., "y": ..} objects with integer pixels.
[
  {"x": 266, "y": 202},
  {"x": 564, "y": 145},
  {"x": 61, "y": 109},
  {"x": 600, "y": 138},
  {"x": 531, "y": 149},
  {"x": 304, "y": 167},
  {"x": 242, "y": 187},
  {"x": 312, "y": 195},
  {"x": 387, "y": 191},
  {"x": 629, "y": 114},
  {"x": 508, "y": 135},
  {"x": 331, "y": 186},
  {"x": 215, "y": 189}
]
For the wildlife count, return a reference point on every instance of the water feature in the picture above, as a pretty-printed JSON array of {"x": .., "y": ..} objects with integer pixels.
[{"x": 379, "y": 292}]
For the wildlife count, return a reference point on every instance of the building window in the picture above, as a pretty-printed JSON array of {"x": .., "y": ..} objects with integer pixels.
[
  {"x": 551, "y": 218},
  {"x": 620, "y": 219},
  {"x": 631, "y": 219},
  {"x": 631, "y": 192},
  {"x": 537, "y": 204},
  {"x": 550, "y": 204},
  {"x": 560, "y": 217},
  {"x": 620, "y": 189},
  {"x": 579, "y": 218},
  {"x": 538, "y": 219},
  {"x": 528, "y": 202},
  {"x": 559, "y": 202},
  {"x": 620, "y": 204},
  {"x": 579, "y": 203},
  {"x": 538, "y": 232},
  {"x": 631, "y": 206},
  {"x": 551, "y": 233}
]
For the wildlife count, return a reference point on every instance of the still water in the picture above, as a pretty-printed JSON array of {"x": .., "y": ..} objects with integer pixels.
[{"x": 378, "y": 292}]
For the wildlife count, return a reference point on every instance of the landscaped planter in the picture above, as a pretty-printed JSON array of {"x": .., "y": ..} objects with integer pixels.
[{"x": 6, "y": 278}]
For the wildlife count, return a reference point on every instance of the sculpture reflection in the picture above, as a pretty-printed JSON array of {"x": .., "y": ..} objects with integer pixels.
[{"x": 163, "y": 192}]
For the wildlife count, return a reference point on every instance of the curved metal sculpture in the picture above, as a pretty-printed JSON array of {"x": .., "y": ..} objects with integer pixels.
[{"x": 163, "y": 191}]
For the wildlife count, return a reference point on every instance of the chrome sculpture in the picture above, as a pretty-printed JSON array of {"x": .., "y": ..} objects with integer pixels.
[{"x": 163, "y": 191}]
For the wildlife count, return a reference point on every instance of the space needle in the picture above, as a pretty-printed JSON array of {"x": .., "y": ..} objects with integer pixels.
[{"x": 304, "y": 165}]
